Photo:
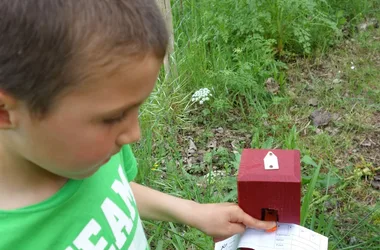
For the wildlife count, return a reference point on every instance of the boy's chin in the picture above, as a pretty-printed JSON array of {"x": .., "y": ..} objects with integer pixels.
[{"x": 81, "y": 175}]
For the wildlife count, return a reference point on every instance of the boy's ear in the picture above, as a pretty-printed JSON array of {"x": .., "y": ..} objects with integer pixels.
[{"x": 7, "y": 108}]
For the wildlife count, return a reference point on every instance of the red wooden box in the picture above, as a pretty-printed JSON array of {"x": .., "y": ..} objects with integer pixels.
[{"x": 264, "y": 193}]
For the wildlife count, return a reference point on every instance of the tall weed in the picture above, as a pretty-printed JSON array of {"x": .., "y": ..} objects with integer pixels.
[
  {"x": 298, "y": 26},
  {"x": 239, "y": 58}
]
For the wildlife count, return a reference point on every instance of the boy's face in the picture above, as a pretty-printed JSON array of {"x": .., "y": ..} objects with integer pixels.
[{"x": 90, "y": 124}]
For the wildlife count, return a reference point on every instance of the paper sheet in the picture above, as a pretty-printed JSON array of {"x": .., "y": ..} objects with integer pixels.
[{"x": 287, "y": 237}]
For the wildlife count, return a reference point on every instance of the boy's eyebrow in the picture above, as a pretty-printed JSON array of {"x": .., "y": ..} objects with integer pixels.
[{"x": 124, "y": 108}]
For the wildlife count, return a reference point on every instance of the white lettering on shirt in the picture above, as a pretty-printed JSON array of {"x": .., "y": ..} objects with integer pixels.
[
  {"x": 83, "y": 242},
  {"x": 117, "y": 220},
  {"x": 123, "y": 189},
  {"x": 121, "y": 224}
]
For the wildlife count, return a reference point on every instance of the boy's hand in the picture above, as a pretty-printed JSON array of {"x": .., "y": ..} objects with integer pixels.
[{"x": 223, "y": 220}]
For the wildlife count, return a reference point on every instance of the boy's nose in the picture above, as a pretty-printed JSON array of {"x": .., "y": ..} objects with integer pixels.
[{"x": 129, "y": 136}]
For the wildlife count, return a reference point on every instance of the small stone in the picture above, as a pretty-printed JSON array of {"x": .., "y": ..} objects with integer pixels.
[
  {"x": 220, "y": 130},
  {"x": 376, "y": 185},
  {"x": 321, "y": 117},
  {"x": 313, "y": 102},
  {"x": 272, "y": 86},
  {"x": 336, "y": 81},
  {"x": 376, "y": 182},
  {"x": 192, "y": 148},
  {"x": 371, "y": 23},
  {"x": 309, "y": 87},
  {"x": 366, "y": 143},
  {"x": 212, "y": 144}
]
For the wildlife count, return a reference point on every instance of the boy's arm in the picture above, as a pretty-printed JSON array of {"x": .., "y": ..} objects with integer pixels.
[
  {"x": 218, "y": 220},
  {"x": 155, "y": 205}
]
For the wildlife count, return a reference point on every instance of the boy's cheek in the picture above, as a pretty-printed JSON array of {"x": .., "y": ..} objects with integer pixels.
[
  {"x": 95, "y": 149},
  {"x": 75, "y": 164},
  {"x": 91, "y": 157},
  {"x": 78, "y": 152},
  {"x": 69, "y": 145}
]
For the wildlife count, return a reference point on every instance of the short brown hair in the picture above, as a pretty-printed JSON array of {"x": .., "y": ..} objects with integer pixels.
[{"x": 41, "y": 40}]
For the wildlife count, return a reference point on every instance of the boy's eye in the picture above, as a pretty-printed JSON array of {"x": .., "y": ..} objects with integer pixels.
[{"x": 114, "y": 120}]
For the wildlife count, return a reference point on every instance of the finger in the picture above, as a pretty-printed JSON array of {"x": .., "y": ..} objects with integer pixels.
[
  {"x": 219, "y": 239},
  {"x": 236, "y": 228},
  {"x": 251, "y": 222}
]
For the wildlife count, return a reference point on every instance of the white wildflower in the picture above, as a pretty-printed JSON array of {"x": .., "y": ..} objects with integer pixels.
[{"x": 201, "y": 96}]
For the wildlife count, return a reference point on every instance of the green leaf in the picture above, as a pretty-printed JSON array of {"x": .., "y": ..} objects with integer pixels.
[
  {"x": 160, "y": 245},
  {"x": 268, "y": 143},
  {"x": 308, "y": 161},
  {"x": 309, "y": 194}
]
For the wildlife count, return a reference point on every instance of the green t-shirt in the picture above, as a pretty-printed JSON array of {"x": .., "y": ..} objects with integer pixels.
[{"x": 95, "y": 213}]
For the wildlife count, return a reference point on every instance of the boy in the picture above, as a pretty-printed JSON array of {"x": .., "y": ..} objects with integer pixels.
[{"x": 73, "y": 74}]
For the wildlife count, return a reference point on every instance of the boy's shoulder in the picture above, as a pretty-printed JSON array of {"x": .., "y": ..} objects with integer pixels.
[{"x": 99, "y": 211}]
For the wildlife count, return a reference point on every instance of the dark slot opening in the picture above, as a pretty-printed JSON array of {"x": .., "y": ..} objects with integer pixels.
[{"x": 268, "y": 214}]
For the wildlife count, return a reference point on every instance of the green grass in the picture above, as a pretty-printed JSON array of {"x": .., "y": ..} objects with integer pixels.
[{"x": 232, "y": 48}]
